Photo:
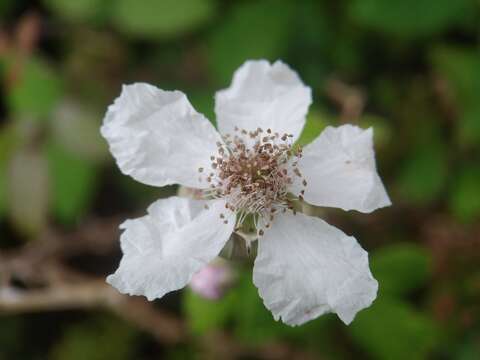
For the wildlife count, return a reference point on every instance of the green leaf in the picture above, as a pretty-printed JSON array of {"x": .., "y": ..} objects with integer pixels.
[
  {"x": 382, "y": 130},
  {"x": 105, "y": 338},
  {"x": 36, "y": 91},
  {"x": 252, "y": 30},
  {"x": 468, "y": 350},
  {"x": 161, "y": 19},
  {"x": 469, "y": 125},
  {"x": 391, "y": 329},
  {"x": 3, "y": 190},
  {"x": 28, "y": 185},
  {"x": 464, "y": 199},
  {"x": 5, "y": 8},
  {"x": 425, "y": 172},
  {"x": 12, "y": 329},
  {"x": 77, "y": 129},
  {"x": 316, "y": 122},
  {"x": 78, "y": 10},
  {"x": 461, "y": 68},
  {"x": 204, "y": 103},
  {"x": 400, "y": 268},
  {"x": 204, "y": 314},
  {"x": 8, "y": 141},
  {"x": 74, "y": 181},
  {"x": 408, "y": 18},
  {"x": 254, "y": 323}
]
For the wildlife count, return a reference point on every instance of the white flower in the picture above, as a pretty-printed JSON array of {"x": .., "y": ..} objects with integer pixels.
[{"x": 304, "y": 267}]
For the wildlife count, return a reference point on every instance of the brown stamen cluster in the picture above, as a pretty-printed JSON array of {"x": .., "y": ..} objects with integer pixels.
[{"x": 252, "y": 170}]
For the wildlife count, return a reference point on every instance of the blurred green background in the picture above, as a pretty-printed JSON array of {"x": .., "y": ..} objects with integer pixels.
[{"x": 409, "y": 68}]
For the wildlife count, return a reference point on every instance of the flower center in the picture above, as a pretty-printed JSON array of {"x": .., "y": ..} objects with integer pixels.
[{"x": 252, "y": 171}]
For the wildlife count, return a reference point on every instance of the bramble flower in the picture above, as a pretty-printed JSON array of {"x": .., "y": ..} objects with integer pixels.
[{"x": 250, "y": 174}]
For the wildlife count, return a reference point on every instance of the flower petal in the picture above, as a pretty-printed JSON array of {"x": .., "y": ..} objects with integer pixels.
[
  {"x": 305, "y": 268},
  {"x": 266, "y": 96},
  {"x": 339, "y": 167},
  {"x": 165, "y": 248},
  {"x": 157, "y": 137}
]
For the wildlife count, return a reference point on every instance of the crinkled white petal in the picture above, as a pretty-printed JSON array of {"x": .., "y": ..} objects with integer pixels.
[
  {"x": 157, "y": 137},
  {"x": 165, "y": 248},
  {"x": 263, "y": 95},
  {"x": 340, "y": 170},
  {"x": 306, "y": 267}
]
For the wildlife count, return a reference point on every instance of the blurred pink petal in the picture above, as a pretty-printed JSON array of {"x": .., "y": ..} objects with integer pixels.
[{"x": 212, "y": 281}]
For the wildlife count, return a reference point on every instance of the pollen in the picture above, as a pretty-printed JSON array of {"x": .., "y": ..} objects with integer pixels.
[{"x": 252, "y": 171}]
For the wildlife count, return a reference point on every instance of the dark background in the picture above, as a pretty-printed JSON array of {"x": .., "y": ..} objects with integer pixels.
[{"x": 409, "y": 68}]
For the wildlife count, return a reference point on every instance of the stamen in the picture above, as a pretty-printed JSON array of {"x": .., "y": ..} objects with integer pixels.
[{"x": 252, "y": 171}]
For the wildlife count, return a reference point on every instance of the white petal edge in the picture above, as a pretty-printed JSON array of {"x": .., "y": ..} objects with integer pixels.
[
  {"x": 306, "y": 268},
  {"x": 157, "y": 137},
  {"x": 165, "y": 248},
  {"x": 263, "y": 95},
  {"x": 340, "y": 170}
]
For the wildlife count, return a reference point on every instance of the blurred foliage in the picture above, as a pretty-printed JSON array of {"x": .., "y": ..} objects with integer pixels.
[
  {"x": 465, "y": 196},
  {"x": 228, "y": 47},
  {"x": 103, "y": 338},
  {"x": 74, "y": 183},
  {"x": 401, "y": 268},
  {"x": 391, "y": 329},
  {"x": 28, "y": 190},
  {"x": 37, "y": 90},
  {"x": 411, "y": 18},
  {"x": 461, "y": 67},
  {"x": 160, "y": 19},
  {"x": 408, "y": 68}
]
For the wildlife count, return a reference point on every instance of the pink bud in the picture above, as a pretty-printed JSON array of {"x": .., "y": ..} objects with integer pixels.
[{"x": 212, "y": 281}]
